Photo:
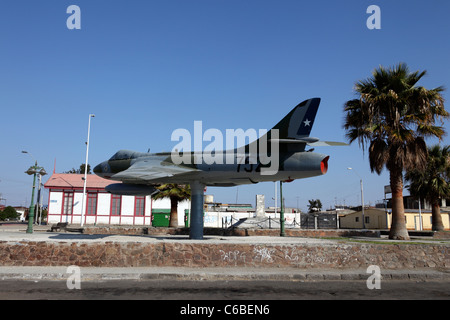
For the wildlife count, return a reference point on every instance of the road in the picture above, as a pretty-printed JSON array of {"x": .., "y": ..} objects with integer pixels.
[{"x": 223, "y": 290}]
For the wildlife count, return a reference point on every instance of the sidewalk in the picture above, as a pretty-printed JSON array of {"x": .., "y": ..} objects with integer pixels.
[
  {"x": 16, "y": 232},
  {"x": 69, "y": 237},
  {"x": 212, "y": 274}
]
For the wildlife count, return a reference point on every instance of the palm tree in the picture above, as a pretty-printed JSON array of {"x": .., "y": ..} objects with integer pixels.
[
  {"x": 314, "y": 205},
  {"x": 176, "y": 193},
  {"x": 433, "y": 183},
  {"x": 395, "y": 116}
]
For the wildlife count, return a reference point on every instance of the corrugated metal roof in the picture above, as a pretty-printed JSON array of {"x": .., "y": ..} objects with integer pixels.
[{"x": 72, "y": 180}]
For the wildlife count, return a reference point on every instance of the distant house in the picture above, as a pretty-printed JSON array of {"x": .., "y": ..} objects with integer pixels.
[
  {"x": 373, "y": 218},
  {"x": 23, "y": 211},
  {"x": 381, "y": 219},
  {"x": 413, "y": 219},
  {"x": 101, "y": 207}
]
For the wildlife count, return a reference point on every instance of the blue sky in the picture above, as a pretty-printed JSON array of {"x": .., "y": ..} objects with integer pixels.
[{"x": 146, "y": 68}]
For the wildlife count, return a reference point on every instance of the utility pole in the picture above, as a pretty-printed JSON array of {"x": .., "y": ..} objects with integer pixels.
[
  {"x": 83, "y": 202},
  {"x": 282, "y": 232}
]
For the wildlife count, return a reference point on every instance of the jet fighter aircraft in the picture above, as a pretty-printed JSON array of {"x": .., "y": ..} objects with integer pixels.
[{"x": 278, "y": 155}]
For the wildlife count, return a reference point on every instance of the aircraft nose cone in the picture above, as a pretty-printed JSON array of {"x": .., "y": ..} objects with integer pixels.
[
  {"x": 101, "y": 169},
  {"x": 98, "y": 169}
]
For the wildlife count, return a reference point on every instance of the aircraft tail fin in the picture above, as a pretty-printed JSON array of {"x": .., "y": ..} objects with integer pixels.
[
  {"x": 298, "y": 123},
  {"x": 295, "y": 127}
]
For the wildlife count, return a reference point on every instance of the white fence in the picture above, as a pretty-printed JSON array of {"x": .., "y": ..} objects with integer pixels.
[{"x": 226, "y": 219}]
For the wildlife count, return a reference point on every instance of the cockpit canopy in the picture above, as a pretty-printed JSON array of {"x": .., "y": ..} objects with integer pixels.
[{"x": 126, "y": 155}]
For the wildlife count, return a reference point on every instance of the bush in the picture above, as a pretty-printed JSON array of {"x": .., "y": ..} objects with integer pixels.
[{"x": 9, "y": 213}]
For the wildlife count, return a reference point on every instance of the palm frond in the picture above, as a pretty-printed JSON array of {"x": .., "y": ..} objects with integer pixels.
[{"x": 378, "y": 155}]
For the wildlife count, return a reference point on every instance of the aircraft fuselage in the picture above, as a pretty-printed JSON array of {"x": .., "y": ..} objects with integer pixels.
[{"x": 243, "y": 170}]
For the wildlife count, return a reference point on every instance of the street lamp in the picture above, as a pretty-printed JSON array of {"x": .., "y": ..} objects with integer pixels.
[
  {"x": 33, "y": 170},
  {"x": 83, "y": 203},
  {"x": 362, "y": 196}
]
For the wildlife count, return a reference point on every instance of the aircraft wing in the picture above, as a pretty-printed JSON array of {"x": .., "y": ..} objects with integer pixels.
[
  {"x": 310, "y": 141},
  {"x": 327, "y": 143},
  {"x": 150, "y": 169}
]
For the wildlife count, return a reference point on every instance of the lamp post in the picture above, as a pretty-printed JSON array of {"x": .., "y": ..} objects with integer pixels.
[
  {"x": 33, "y": 170},
  {"x": 39, "y": 197},
  {"x": 362, "y": 196},
  {"x": 282, "y": 232},
  {"x": 83, "y": 202},
  {"x": 275, "y": 210}
]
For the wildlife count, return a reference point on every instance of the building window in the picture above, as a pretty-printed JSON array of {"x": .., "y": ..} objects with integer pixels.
[
  {"x": 356, "y": 219},
  {"x": 116, "y": 202},
  {"x": 91, "y": 204},
  {"x": 67, "y": 202},
  {"x": 367, "y": 219},
  {"x": 139, "y": 205}
]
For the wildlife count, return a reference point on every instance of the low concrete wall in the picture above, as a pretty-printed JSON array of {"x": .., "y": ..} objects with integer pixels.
[
  {"x": 194, "y": 254},
  {"x": 441, "y": 235},
  {"x": 321, "y": 233}
]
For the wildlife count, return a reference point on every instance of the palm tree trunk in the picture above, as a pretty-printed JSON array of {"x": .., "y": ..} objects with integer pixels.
[
  {"x": 173, "y": 212},
  {"x": 398, "y": 227},
  {"x": 436, "y": 217}
]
